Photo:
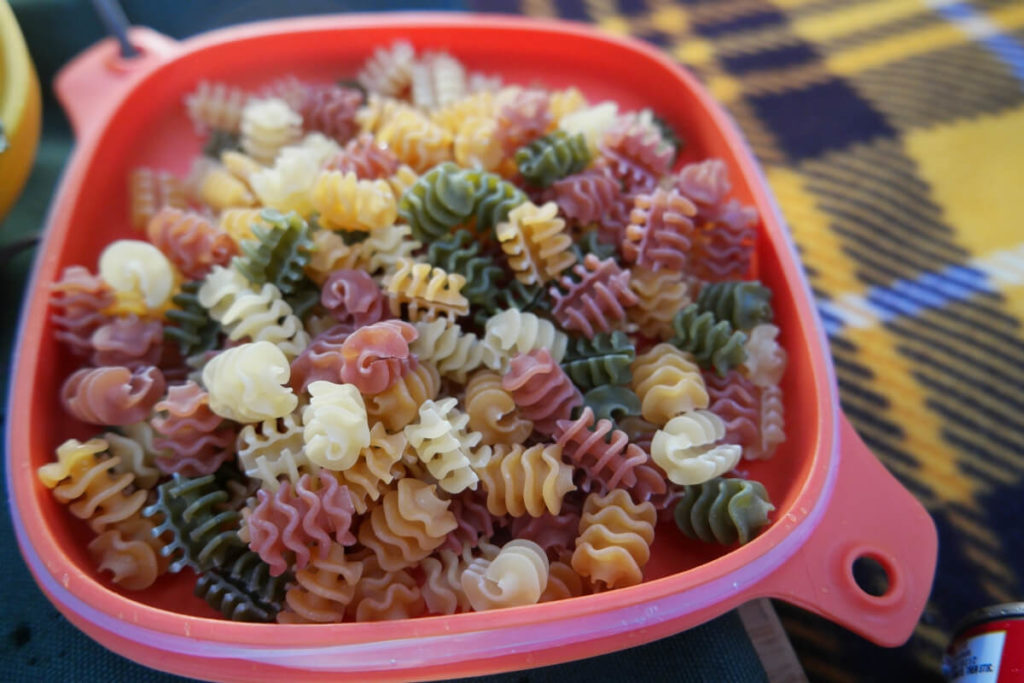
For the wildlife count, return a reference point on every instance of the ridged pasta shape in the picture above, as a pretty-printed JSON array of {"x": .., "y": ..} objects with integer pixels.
[
  {"x": 460, "y": 253},
  {"x": 322, "y": 590},
  {"x": 149, "y": 191},
  {"x": 773, "y": 423},
  {"x": 477, "y": 143},
  {"x": 766, "y": 359},
  {"x": 737, "y": 401},
  {"x": 335, "y": 425},
  {"x": 492, "y": 411},
  {"x": 660, "y": 295},
  {"x": 216, "y": 106},
  {"x": 526, "y": 481},
  {"x": 541, "y": 389},
  {"x": 137, "y": 267},
  {"x": 712, "y": 342},
  {"x": 247, "y": 313},
  {"x": 517, "y": 576},
  {"x": 248, "y": 383},
  {"x": 552, "y": 157},
  {"x": 330, "y": 253},
  {"x": 272, "y": 449},
  {"x": 439, "y": 200},
  {"x": 416, "y": 140},
  {"x": 634, "y": 150},
  {"x": 197, "y": 440},
  {"x": 300, "y": 521},
  {"x": 346, "y": 202},
  {"x": 240, "y": 165},
  {"x": 668, "y": 383},
  {"x": 724, "y": 244},
  {"x": 724, "y": 511},
  {"x": 441, "y": 442},
  {"x": 744, "y": 303},
  {"x": 130, "y": 553},
  {"x": 267, "y": 125},
  {"x": 129, "y": 341},
  {"x": 199, "y": 531},
  {"x": 556, "y": 534},
  {"x": 353, "y": 298},
  {"x": 388, "y": 71},
  {"x": 615, "y": 539},
  {"x": 137, "y": 451},
  {"x": 453, "y": 352},
  {"x": 438, "y": 79},
  {"x": 112, "y": 395},
  {"x": 425, "y": 292},
  {"x": 243, "y": 590},
  {"x": 382, "y": 250},
  {"x": 278, "y": 254},
  {"x": 287, "y": 184},
  {"x": 493, "y": 200},
  {"x": 237, "y": 223},
  {"x": 85, "y": 483},
  {"x": 603, "y": 360},
  {"x": 660, "y": 231},
  {"x": 563, "y": 583},
  {"x": 512, "y": 331},
  {"x": 615, "y": 403},
  {"x": 561, "y": 103},
  {"x": 536, "y": 243},
  {"x": 383, "y": 595},
  {"x": 410, "y": 522},
  {"x": 189, "y": 325},
  {"x": 586, "y": 197},
  {"x": 399, "y": 404},
  {"x": 594, "y": 298},
  {"x": 591, "y": 121},
  {"x": 376, "y": 356},
  {"x": 364, "y": 157},
  {"x": 442, "y": 585},
  {"x": 687, "y": 448},
  {"x": 601, "y": 455},
  {"x": 476, "y": 525},
  {"x": 210, "y": 183},
  {"x": 379, "y": 464},
  {"x": 78, "y": 300}
]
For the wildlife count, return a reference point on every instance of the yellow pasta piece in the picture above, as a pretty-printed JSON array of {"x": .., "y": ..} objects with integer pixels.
[
  {"x": 536, "y": 243},
  {"x": 84, "y": 482},
  {"x": 399, "y": 404},
  {"x": 273, "y": 449},
  {"x": 322, "y": 590},
  {"x": 416, "y": 140},
  {"x": 565, "y": 102},
  {"x": 425, "y": 291},
  {"x": 477, "y": 106},
  {"x": 346, "y": 203},
  {"x": 408, "y": 524},
  {"x": 493, "y": 412},
  {"x": 660, "y": 295},
  {"x": 267, "y": 126},
  {"x": 238, "y": 223},
  {"x": 378, "y": 465},
  {"x": 668, "y": 383},
  {"x": 217, "y": 187},
  {"x": 615, "y": 539},
  {"x": 330, "y": 253},
  {"x": 521, "y": 481}
]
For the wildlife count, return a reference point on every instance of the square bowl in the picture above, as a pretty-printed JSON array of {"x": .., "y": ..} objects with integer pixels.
[{"x": 834, "y": 502}]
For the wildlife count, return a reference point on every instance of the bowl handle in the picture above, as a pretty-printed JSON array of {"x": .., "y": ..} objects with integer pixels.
[
  {"x": 91, "y": 85},
  {"x": 869, "y": 515}
]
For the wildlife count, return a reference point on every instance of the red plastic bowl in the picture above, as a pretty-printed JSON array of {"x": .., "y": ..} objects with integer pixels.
[{"x": 835, "y": 502}]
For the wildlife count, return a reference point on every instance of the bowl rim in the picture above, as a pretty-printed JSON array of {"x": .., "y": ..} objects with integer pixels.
[{"x": 739, "y": 570}]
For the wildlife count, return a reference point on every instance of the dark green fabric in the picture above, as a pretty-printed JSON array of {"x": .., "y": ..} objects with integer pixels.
[{"x": 38, "y": 643}]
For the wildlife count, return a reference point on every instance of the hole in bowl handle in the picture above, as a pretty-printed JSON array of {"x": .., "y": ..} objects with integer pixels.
[
  {"x": 92, "y": 84},
  {"x": 870, "y": 516}
]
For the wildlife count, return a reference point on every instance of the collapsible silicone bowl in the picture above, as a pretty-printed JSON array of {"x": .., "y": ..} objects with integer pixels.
[{"x": 834, "y": 501}]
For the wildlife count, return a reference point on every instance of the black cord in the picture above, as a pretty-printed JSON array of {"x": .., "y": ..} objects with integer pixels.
[{"x": 112, "y": 16}]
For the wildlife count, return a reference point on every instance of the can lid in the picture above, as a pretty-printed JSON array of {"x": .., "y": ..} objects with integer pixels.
[{"x": 1008, "y": 610}]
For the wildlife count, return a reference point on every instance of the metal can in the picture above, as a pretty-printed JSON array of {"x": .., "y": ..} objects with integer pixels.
[{"x": 987, "y": 646}]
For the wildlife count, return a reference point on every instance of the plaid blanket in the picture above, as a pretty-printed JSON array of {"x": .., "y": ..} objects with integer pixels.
[{"x": 892, "y": 133}]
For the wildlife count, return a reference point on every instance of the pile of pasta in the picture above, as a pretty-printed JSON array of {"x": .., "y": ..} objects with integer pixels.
[{"x": 423, "y": 343}]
